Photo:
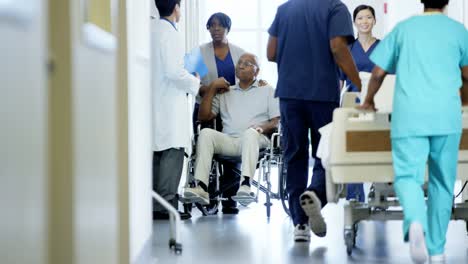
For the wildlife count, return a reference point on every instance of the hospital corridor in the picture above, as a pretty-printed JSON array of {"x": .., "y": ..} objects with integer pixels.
[{"x": 233, "y": 131}]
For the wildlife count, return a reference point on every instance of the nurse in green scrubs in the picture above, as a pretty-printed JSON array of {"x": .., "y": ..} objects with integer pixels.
[{"x": 429, "y": 55}]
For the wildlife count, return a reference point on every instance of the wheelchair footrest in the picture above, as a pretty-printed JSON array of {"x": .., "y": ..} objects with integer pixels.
[
  {"x": 192, "y": 199},
  {"x": 244, "y": 200}
]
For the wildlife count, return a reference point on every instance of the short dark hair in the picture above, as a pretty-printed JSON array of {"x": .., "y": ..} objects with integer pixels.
[
  {"x": 439, "y": 4},
  {"x": 363, "y": 7},
  {"x": 224, "y": 19},
  {"x": 166, "y": 7}
]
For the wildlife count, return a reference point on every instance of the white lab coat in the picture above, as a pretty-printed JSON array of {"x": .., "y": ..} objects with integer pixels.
[{"x": 172, "y": 87}]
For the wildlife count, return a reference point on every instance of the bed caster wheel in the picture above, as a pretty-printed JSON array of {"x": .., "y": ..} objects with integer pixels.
[
  {"x": 172, "y": 243},
  {"x": 350, "y": 240},
  {"x": 178, "y": 248},
  {"x": 355, "y": 228},
  {"x": 349, "y": 250}
]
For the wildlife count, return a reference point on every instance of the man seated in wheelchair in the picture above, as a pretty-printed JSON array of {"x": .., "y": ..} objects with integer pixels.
[{"x": 249, "y": 114}]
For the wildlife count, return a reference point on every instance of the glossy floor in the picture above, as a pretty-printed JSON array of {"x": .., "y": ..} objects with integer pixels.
[{"x": 250, "y": 237}]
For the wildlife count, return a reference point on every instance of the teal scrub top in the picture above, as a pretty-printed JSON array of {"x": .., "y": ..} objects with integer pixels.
[{"x": 426, "y": 53}]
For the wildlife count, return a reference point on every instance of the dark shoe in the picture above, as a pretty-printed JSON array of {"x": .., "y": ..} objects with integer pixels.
[
  {"x": 185, "y": 216},
  {"x": 230, "y": 210},
  {"x": 157, "y": 215}
]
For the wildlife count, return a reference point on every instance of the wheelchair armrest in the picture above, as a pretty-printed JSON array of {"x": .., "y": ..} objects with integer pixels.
[{"x": 214, "y": 123}]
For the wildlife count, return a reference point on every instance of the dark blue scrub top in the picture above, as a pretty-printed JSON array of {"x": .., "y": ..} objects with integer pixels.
[
  {"x": 226, "y": 68},
  {"x": 362, "y": 60},
  {"x": 306, "y": 68}
]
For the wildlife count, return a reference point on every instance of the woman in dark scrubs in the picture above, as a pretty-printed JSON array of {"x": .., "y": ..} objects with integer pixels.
[{"x": 361, "y": 49}]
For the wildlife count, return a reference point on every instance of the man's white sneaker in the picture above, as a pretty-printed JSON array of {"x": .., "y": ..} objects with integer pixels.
[
  {"x": 244, "y": 195},
  {"x": 437, "y": 259},
  {"x": 244, "y": 191},
  {"x": 312, "y": 207},
  {"x": 302, "y": 233},
  {"x": 197, "y": 195},
  {"x": 418, "y": 250}
]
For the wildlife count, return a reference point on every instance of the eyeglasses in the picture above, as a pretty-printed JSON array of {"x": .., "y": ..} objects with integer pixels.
[{"x": 245, "y": 64}]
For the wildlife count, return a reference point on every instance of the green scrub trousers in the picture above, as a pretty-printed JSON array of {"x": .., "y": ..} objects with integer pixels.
[{"x": 410, "y": 156}]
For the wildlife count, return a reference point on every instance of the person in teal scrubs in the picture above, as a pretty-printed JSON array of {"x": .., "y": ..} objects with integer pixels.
[{"x": 429, "y": 54}]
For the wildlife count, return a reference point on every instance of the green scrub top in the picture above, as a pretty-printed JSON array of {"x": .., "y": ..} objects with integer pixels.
[{"x": 426, "y": 53}]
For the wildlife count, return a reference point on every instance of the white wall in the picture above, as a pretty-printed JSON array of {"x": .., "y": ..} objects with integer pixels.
[
  {"x": 139, "y": 125},
  {"x": 23, "y": 140},
  {"x": 110, "y": 159},
  {"x": 457, "y": 10},
  {"x": 95, "y": 146},
  {"x": 95, "y": 156},
  {"x": 399, "y": 10},
  {"x": 465, "y": 4}
]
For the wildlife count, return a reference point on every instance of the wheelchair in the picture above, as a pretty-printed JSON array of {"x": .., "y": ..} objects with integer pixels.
[{"x": 268, "y": 158}]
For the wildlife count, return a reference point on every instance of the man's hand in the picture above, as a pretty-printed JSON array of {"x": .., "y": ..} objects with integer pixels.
[
  {"x": 375, "y": 82},
  {"x": 262, "y": 83},
  {"x": 259, "y": 129},
  {"x": 220, "y": 85},
  {"x": 368, "y": 105},
  {"x": 344, "y": 59}
]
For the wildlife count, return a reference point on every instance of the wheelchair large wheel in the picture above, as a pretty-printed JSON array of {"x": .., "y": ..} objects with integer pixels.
[{"x": 283, "y": 192}]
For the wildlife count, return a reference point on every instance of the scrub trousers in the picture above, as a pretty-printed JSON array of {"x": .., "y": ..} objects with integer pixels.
[
  {"x": 410, "y": 156},
  {"x": 299, "y": 118}
]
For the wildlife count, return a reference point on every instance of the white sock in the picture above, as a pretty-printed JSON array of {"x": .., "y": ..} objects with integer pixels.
[
  {"x": 438, "y": 258},
  {"x": 417, "y": 242}
]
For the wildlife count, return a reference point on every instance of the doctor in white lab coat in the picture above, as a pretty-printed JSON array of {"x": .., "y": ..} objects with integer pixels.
[{"x": 172, "y": 87}]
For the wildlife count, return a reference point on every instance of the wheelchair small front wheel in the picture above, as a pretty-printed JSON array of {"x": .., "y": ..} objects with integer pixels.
[
  {"x": 350, "y": 238},
  {"x": 210, "y": 209}
]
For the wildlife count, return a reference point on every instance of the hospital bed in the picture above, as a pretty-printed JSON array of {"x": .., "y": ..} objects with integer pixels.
[{"x": 360, "y": 152}]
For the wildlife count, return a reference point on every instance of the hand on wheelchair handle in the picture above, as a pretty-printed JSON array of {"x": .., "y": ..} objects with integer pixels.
[
  {"x": 262, "y": 83},
  {"x": 258, "y": 129}
]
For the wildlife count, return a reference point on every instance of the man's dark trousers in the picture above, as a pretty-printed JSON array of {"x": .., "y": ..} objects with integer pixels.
[
  {"x": 299, "y": 117},
  {"x": 167, "y": 171}
]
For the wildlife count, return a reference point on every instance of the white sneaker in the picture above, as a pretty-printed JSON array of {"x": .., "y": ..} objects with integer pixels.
[
  {"x": 244, "y": 195},
  {"x": 437, "y": 258},
  {"x": 312, "y": 206},
  {"x": 417, "y": 242},
  {"x": 197, "y": 195},
  {"x": 244, "y": 191},
  {"x": 302, "y": 233}
]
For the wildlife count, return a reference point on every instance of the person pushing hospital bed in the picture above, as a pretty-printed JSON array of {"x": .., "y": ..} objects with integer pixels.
[{"x": 426, "y": 122}]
